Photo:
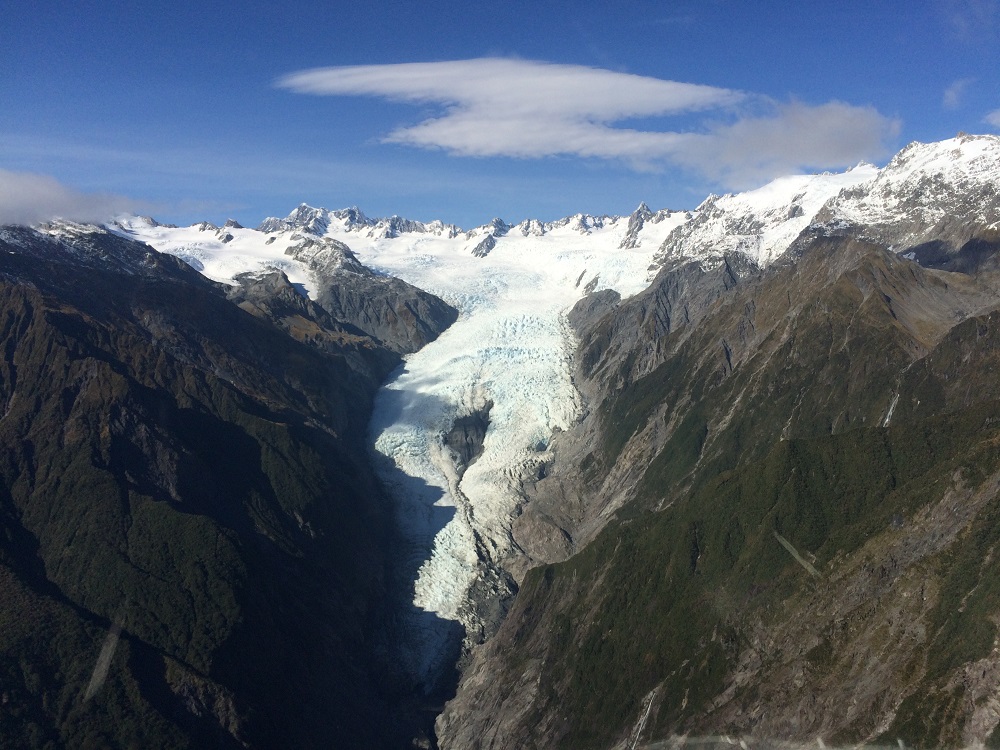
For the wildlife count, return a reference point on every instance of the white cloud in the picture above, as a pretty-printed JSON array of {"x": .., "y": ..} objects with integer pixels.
[
  {"x": 529, "y": 109},
  {"x": 516, "y": 88},
  {"x": 993, "y": 118},
  {"x": 27, "y": 198},
  {"x": 954, "y": 94}
]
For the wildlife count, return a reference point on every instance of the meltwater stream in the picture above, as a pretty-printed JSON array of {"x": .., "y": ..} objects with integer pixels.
[{"x": 510, "y": 347}]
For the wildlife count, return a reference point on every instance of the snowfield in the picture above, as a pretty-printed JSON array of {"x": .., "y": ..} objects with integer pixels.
[{"x": 760, "y": 223}]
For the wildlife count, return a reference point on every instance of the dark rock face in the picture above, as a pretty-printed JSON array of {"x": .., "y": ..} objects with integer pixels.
[
  {"x": 185, "y": 499},
  {"x": 272, "y": 297},
  {"x": 397, "y": 315},
  {"x": 677, "y": 298},
  {"x": 978, "y": 254},
  {"x": 592, "y": 308},
  {"x": 636, "y": 222},
  {"x": 465, "y": 438},
  {"x": 774, "y": 522},
  {"x": 484, "y": 247}
]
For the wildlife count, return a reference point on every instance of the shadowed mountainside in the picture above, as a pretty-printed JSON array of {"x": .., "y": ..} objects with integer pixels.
[{"x": 185, "y": 500}]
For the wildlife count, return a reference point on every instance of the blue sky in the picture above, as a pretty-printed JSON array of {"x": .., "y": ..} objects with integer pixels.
[{"x": 200, "y": 110}]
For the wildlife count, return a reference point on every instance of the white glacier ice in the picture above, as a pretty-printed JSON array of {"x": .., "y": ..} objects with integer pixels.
[{"x": 511, "y": 346}]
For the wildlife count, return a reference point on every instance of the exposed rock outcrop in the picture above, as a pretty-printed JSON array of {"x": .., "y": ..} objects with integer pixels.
[
  {"x": 465, "y": 438},
  {"x": 396, "y": 314}
]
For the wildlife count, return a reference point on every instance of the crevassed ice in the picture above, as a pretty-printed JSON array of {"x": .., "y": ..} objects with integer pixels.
[{"x": 512, "y": 346}]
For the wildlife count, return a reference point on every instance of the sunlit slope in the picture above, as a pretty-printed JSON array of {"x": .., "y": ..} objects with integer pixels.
[{"x": 807, "y": 547}]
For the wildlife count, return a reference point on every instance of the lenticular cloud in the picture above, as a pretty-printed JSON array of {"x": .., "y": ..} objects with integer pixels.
[
  {"x": 496, "y": 107},
  {"x": 516, "y": 88},
  {"x": 530, "y": 109}
]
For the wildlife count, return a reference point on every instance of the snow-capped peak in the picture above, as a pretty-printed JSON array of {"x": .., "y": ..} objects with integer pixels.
[
  {"x": 532, "y": 227},
  {"x": 304, "y": 217},
  {"x": 638, "y": 220},
  {"x": 496, "y": 227},
  {"x": 760, "y": 223},
  {"x": 321, "y": 221},
  {"x": 927, "y": 191}
]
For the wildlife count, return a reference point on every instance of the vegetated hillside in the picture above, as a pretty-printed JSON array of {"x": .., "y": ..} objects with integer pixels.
[
  {"x": 792, "y": 496},
  {"x": 191, "y": 540}
]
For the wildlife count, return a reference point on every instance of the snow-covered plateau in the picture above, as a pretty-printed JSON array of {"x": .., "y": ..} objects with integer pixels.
[{"x": 511, "y": 346}]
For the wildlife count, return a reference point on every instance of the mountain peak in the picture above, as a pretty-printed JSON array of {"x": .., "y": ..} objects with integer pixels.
[
  {"x": 928, "y": 191},
  {"x": 760, "y": 223},
  {"x": 304, "y": 217},
  {"x": 495, "y": 227},
  {"x": 636, "y": 222}
]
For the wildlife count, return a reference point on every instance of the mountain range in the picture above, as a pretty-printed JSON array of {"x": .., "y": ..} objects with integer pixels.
[{"x": 707, "y": 476}]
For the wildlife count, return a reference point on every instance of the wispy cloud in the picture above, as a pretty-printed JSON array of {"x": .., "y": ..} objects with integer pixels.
[
  {"x": 973, "y": 20},
  {"x": 954, "y": 94},
  {"x": 528, "y": 109},
  {"x": 795, "y": 137},
  {"x": 27, "y": 198},
  {"x": 993, "y": 118}
]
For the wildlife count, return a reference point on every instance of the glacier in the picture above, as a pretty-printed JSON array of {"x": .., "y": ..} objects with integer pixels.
[{"x": 511, "y": 347}]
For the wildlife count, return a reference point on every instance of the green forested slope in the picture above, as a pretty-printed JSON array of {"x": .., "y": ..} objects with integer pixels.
[
  {"x": 176, "y": 468},
  {"x": 811, "y": 551}
]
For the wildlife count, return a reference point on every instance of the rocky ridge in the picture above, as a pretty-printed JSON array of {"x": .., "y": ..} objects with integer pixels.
[{"x": 398, "y": 315}]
